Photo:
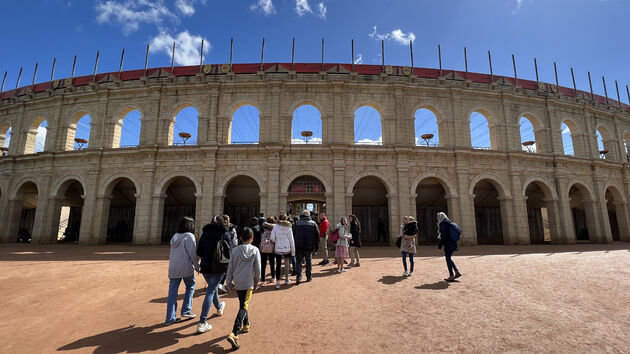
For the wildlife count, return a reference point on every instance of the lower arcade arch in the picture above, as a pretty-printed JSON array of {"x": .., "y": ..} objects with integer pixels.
[
  {"x": 430, "y": 200},
  {"x": 539, "y": 211},
  {"x": 120, "y": 203},
  {"x": 179, "y": 200},
  {"x": 242, "y": 200},
  {"x": 24, "y": 212},
  {"x": 370, "y": 203},
  {"x": 617, "y": 209},
  {"x": 582, "y": 212},
  {"x": 67, "y": 211},
  {"x": 306, "y": 193},
  {"x": 488, "y": 213}
]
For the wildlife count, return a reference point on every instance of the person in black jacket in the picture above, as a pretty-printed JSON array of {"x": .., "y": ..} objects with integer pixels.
[
  {"x": 306, "y": 236},
  {"x": 257, "y": 231},
  {"x": 212, "y": 234},
  {"x": 355, "y": 243},
  {"x": 450, "y": 246}
]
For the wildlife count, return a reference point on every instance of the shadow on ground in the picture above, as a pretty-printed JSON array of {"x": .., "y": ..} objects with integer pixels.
[{"x": 440, "y": 285}]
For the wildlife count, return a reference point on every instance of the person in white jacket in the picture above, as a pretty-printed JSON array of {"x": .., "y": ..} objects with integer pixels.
[
  {"x": 341, "y": 249},
  {"x": 284, "y": 246}
]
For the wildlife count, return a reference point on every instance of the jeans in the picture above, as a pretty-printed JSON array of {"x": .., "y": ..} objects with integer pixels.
[
  {"x": 323, "y": 247},
  {"x": 404, "y": 258},
  {"x": 449, "y": 262},
  {"x": 242, "y": 318},
  {"x": 171, "y": 302},
  {"x": 299, "y": 256},
  {"x": 272, "y": 260},
  {"x": 293, "y": 263},
  {"x": 354, "y": 253},
  {"x": 212, "y": 295}
]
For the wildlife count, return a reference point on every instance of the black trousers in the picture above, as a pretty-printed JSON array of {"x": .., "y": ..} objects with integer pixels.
[
  {"x": 299, "y": 256},
  {"x": 242, "y": 318}
]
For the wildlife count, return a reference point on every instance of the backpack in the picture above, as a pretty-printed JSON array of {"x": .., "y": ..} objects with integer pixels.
[
  {"x": 220, "y": 258},
  {"x": 266, "y": 245},
  {"x": 334, "y": 236},
  {"x": 454, "y": 232}
]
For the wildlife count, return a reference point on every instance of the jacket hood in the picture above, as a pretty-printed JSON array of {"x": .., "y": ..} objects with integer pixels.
[
  {"x": 177, "y": 239},
  {"x": 284, "y": 223},
  {"x": 268, "y": 225},
  {"x": 305, "y": 217},
  {"x": 324, "y": 219},
  {"x": 247, "y": 252},
  {"x": 214, "y": 227}
]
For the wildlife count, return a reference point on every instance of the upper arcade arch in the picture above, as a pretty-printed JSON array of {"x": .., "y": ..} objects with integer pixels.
[
  {"x": 532, "y": 129},
  {"x": 483, "y": 132},
  {"x": 307, "y": 118},
  {"x": 368, "y": 125},
  {"x": 35, "y": 139},
  {"x": 184, "y": 119},
  {"x": 5, "y": 134},
  {"x": 428, "y": 120},
  {"x": 244, "y": 127}
]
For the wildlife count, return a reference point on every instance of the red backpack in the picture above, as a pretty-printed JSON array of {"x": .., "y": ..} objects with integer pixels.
[{"x": 334, "y": 236}]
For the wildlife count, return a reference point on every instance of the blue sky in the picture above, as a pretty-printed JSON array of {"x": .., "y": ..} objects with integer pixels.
[{"x": 583, "y": 34}]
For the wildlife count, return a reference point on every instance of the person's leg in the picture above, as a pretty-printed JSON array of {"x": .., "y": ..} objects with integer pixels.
[
  {"x": 356, "y": 255},
  {"x": 263, "y": 266},
  {"x": 188, "y": 296},
  {"x": 287, "y": 264},
  {"x": 277, "y": 273},
  {"x": 207, "y": 300},
  {"x": 299, "y": 257},
  {"x": 293, "y": 265},
  {"x": 272, "y": 263},
  {"x": 411, "y": 262},
  {"x": 171, "y": 302},
  {"x": 309, "y": 266},
  {"x": 352, "y": 256},
  {"x": 404, "y": 259},
  {"x": 244, "y": 297}
]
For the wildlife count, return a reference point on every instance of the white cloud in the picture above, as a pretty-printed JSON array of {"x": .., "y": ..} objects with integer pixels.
[
  {"x": 359, "y": 59},
  {"x": 187, "y": 48},
  {"x": 379, "y": 141},
  {"x": 40, "y": 138},
  {"x": 396, "y": 35},
  {"x": 302, "y": 7},
  {"x": 131, "y": 14},
  {"x": 566, "y": 130},
  {"x": 187, "y": 7},
  {"x": 311, "y": 141},
  {"x": 519, "y": 3},
  {"x": 322, "y": 10},
  {"x": 266, "y": 6}
]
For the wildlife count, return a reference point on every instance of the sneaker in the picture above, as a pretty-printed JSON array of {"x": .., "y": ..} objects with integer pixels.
[
  {"x": 188, "y": 315},
  {"x": 170, "y": 323},
  {"x": 357, "y": 265},
  {"x": 308, "y": 280},
  {"x": 457, "y": 275},
  {"x": 277, "y": 285},
  {"x": 339, "y": 271},
  {"x": 344, "y": 270},
  {"x": 233, "y": 341},
  {"x": 287, "y": 282},
  {"x": 203, "y": 327},
  {"x": 351, "y": 264},
  {"x": 410, "y": 274},
  {"x": 298, "y": 281},
  {"x": 450, "y": 279},
  {"x": 405, "y": 274},
  {"x": 273, "y": 280},
  {"x": 222, "y": 288},
  {"x": 221, "y": 309},
  {"x": 245, "y": 328}
]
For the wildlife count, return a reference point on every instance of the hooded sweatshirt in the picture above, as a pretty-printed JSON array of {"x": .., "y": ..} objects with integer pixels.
[
  {"x": 282, "y": 236},
  {"x": 183, "y": 260},
  {"x": 244, "y": 268}
]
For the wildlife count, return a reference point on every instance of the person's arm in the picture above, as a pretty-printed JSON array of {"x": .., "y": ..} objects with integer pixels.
[
  {"x": 257, "y": 269},
  {"x": 316, "y": 237},
  {"x": 292, "y": 242},
  {"x": 229, "y": 274},
  {"x": 200, "y": 246},
  {"x": 189, "y": 246},
  {"x": 273, "y": 235},
  {"x": 441, "y": 242}
]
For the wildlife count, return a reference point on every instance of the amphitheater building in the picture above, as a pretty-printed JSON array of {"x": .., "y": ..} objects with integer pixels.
[{"x": 499, "y": 195}]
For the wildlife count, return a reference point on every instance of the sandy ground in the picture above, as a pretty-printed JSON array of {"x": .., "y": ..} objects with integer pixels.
[{"x": 111, "y": 299}]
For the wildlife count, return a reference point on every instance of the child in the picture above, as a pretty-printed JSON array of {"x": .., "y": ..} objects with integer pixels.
[
  {"x": 341, "y": 250},
  {"x": 408, "y": 244},
  {"x": 244, "y": 271},
  {"x": 282, "y": 237}
]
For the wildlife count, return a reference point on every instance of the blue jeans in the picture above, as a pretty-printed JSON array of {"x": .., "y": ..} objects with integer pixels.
[
  {"x": 404, "y": 258},
  {"x": 171, "y": 303},
  {"x": 212, "y": 295},
  {"x": 449, "y": 262}
]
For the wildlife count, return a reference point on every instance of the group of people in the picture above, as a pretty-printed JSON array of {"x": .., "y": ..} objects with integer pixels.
[{"x": 237, "y": 261}]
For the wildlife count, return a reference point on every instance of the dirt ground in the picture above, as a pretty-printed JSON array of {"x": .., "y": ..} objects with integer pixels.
[{"x": 112, "y": 299}]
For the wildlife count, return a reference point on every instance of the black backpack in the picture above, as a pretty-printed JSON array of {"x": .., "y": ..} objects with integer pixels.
[{"x": 220, "y": 258}]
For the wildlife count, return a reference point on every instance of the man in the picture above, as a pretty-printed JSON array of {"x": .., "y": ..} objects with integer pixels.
[
  {"x": 323, "y": 238},
  {"x": 306, "y": 235}
]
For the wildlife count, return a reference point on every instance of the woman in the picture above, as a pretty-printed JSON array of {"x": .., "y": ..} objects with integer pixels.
[
  {"x": 231, "y": 228},
  {"x": 253, "y": 224},
  {"x": 341, "y": 248},
  {"x": 212, "y": 234},
  {"x": 267, "y": 249},
  {"x": 450, "y": 245},
  {"x": 355, "y": 242},
  {"x": 284, "y": 247},
  {"x": 408, "y": 243},
  {"x": 182, "y": 264}
]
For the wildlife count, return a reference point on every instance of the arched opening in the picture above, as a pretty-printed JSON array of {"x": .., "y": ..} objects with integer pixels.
[
  {"x": 538, "y": 213},
  {"x": 81, "y": 137},
  {"x": 306, "y": 192},
  {"x": 5, "y": 137},
  {"x": 36, "y": 136},
  {"x": 68, "y": 208},
  {"x": 245, "y": 126},
  {"x": 26, "y": 203},
  {"x": 185, "y": 126},
  {"x": 581, "y": 209},
  {"x": 306, "y": 126},
  {"x": 626, "y": 139},
  {"x": 127, "y": 130},
  {"x": 180, "y": 201},
  {"x": 122, "y": 211},
  {"x": 367, "y": 126},
  {"x": 370, "y": 205},
  {"x": 567, "y": 140},
  {"x": 480, "y": 137},
  {"x": 528, "y": 136},
  {"x": 488, "y": 213},
  {"x": 426, "y": 128},
  {"x": 242, "y": 200},
  {"x": 430, "y": 200},
  {"x": 604, "y": 147}
]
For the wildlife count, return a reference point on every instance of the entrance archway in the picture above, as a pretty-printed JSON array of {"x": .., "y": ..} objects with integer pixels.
[
  {"x": 581, "y": 210},
  {"x": 371, "y": 206},
  {"x": 180, "y": 201},
  {"x": 242, "y": 200},
  {"x": 67, "y": 210},
  {"x": 430, "y": 200},
  {"x": 489, "y": 224},
  {"x": 537, "y": 213},
  {"x": 26, "y": 207},
  {"x": 122, "y": 211},
  {"x": 306, "y": 192}
]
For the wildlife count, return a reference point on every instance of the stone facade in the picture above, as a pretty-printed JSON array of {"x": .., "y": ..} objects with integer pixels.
[{"x": 338, "y": 163}]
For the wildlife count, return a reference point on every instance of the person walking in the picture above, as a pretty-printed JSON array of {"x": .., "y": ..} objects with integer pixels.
[
  {"x": 182, "y": 263},
  {"x": 323, "y": 238},
  {"x": 355, "y": 242},
  {"x": 449, "y": 241},
  {"x": 213, "y": 233},
  {"x": 267, "y": 249},
  {"x": 341, "y": 247},
  {"x": 231, "y": 228},
  {"x": 243, "y": 274},
  {"x": 408, "y": 243},
  {"x": 306, "y": 236},
  {"x": 253, "y": 224},
  {"x": 284, "y": 247}
]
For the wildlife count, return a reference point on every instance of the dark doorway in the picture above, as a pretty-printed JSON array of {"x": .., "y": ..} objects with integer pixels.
[
  {"x": 370, "y": 204},
  {"x": 488, "y": 214},
  {"x": 430, "y": 200}
]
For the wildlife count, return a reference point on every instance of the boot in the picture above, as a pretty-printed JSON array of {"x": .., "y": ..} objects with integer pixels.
[
  {"x": 457, "y": 274},
  {"x": 450, "y": 279}
]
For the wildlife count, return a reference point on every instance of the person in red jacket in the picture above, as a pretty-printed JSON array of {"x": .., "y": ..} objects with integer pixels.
[{"x": 323, "y": 237}]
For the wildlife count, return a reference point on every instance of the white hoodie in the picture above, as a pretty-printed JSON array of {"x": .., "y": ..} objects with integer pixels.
[{"x": 282, "y": 236}]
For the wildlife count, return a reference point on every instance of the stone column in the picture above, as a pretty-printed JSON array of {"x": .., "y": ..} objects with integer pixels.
[
  {"x": 207, "y": 208},
  {"x": 621, "y": 210},
  {"x": 510, "y": 236},
  {"x": 218, "y": 200},
  {"x": 101, "y": 218},
  {"x": 556, "y": 226},
  {"x": 142, "y": 220},
  {"x": 611, "y": 145},
  {"x": 272, "y": 205},
  {"x": 565, "y": 212},
  {"x": 39, "y": 228},
  {"x": 600, "y": 212},
  {"x": 157, "y": 215},
  {"x": 198, "y": 214},
  {"x": 282, "y": 204},
  {"x": 212, "y": 136},
  {"x": 519, "y": 210},
  {"x": 202, "y": 129},
  {"x": 393, "y": 201},
  {"x": 52, "y": 218},
  {"x": 11, "y": 228}
]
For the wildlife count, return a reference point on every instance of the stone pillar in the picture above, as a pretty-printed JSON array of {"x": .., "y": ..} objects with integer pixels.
[
  {"x": 157, "y": 216},
  {"x": 142, "y": 222},
  {"x": 165, "y": 130},
  {"x": 212, "y": 136},
  {"x": 590, "y": 138},
  {"x": 519, "y": 210},
  {"x": 600, "y": 212},
  {"x": 388, "y": 130},
  {"x": 207, "y": 208},
  {"x": 52, "y": 218},
  {"x": 565, "y": 212},
  {"x": 202, "y": 129},
  {"x": 218, "y": 201},
  {"x": 39, "y": 227},
  {"x": 556, "y": 226},
  {"x": 594, "y": 222},
  {"x": 395, "y": 215},
  {"x": 10, "y": 230},
  {"x": 101, "y": 218},
  {"x": 611, "y": 145},
  {"x": 282, "y": 204},
  {"x": 198, "y": 212},
  {"x": 510, "y": 236},
  {"x": 542, "y": 146},
  {"x": 621, "y": 210},
  {"x": 272, "y": 205}
]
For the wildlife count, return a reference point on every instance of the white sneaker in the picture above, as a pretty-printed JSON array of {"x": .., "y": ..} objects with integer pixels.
[
  {"x": 222, "y": 288},
  {"x": 410, "y": 274},
  {"x": 344, "y": 270},
  {"x": 221, "y": 309},
  {"x": 405, "y": 274},
  {"x": 287, "y": 282},
  {"x": 277, "y": 285},
  {"x": 203, "y": 327},
  {"x": 189, "y": 315}
]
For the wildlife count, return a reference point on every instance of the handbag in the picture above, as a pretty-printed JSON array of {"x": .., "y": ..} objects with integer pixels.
[
  {"x": 267, "y": 246},
  {"x": 399, "y": 241}
]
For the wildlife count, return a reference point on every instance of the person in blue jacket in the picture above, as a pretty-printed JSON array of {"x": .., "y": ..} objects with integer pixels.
[{"x": 450, "y": 245}]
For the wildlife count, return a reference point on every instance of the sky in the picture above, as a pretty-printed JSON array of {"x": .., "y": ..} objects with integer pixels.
[{"x": 588, "y": 35}]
